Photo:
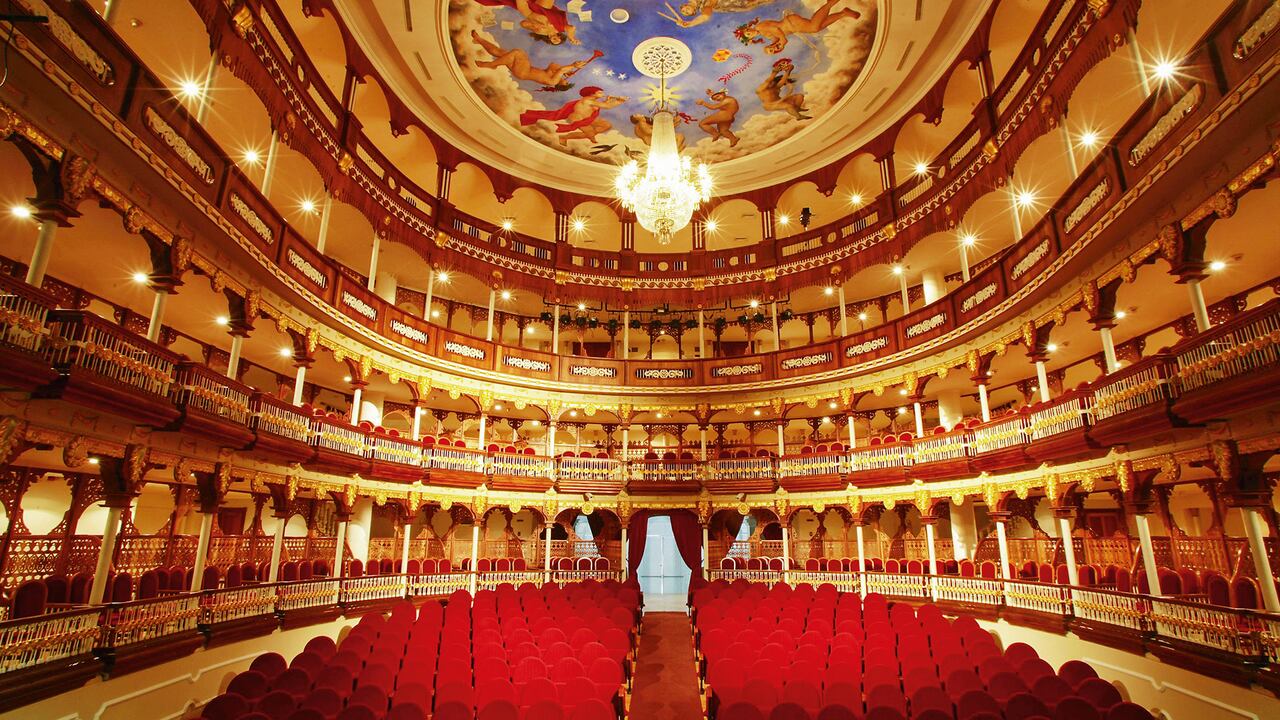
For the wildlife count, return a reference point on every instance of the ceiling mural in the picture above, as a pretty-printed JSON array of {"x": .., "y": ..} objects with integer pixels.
[{"x": 561, "y": 71}]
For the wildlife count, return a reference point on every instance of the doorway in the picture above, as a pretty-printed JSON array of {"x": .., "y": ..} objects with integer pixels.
[{"x": 661, "y": 570}]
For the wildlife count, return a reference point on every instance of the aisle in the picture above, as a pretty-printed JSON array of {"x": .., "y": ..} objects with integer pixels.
[{"x": 665, "y": 686}]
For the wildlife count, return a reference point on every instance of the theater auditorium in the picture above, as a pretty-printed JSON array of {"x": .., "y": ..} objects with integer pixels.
[{"x": 639, "y": 360}]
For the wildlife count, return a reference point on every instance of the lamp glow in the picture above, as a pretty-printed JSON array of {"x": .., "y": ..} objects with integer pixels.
[
  {"x": 222, "y": 320},
  {"x": 666, "y": 191},
  {"x": 1164, "y": 69},
  {"x": 22, "y": 212},
  {"x": 251, "y": 157},
  {"x": 922, "y": 169},
  {"x": 286, "y": 352},
  {"x": 1088, "y": 139},
  {"x": 507, "y": 224},
  {"x": 828, "y": 290},
  {"x": 442, "y": 276},
  {"x": 140, "y": 278},
  {"x": 855, "y": 199},
  {"x": 755, "y": 304},
  {"x": 1217, "y": 265},
  {"x": 897, "y": 269},
  {"x": 711, "y": 225},
  {"x": 784, "y": 220},
  {"x": 308, "y": 207},
  {"x": 189, "y": 88},
  {"x": 968, "y": 240},
  {"x": 506, "y": 294}
]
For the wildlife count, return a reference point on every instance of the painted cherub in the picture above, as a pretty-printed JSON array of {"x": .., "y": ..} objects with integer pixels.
[
  {"x": 552, "y": 77},
  {"x": 696, "y": 12},
  {"x": 543, "y": 20},
  {"x": 719, "y": 124},
  {"x": 578, "y": 119},
  {"x": 643, "y": 128},
  {"x": 760, "y": 31},
  {"x": 777, "y": 93}
]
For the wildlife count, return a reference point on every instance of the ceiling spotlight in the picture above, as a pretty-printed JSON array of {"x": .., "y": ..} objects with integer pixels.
[
  {"x": 826, "y": 419},
  {"x": 1088, "y": 139},
  {"x": 922, "y": 169},
  {"x": 1164, "y": 69},
  {"x": 528, "y": 330},
  {"x": 756, "y": 413},
  {"x": 308, "y": 206},
  {"x": 346, "y": 378},
  {"x": 189, "y": 88},
  {"x": 828, "y": 290},
  {"x": 1217, "y": 265},
  {"x": 897, "y": 269},
  {"x": 1051, "y": 347},
  {"x": 251, "y": 157},
  {"x": 1120, "y": 314},
  {"x": 443, "y": 276},
  {"x": 93, "y": 461},
  {"x": 658, "y": 415},
  {"x": 497, "y": 406},
  {"x": 711, "y": 224},
  {"x": 140, "y": 278},
  {"x": 968, "y": 240},
  {"x": 582, "y": 307},
  {"x": 573, "y": 413},
  {"x": 506, "y": 294},
  {"x": 222, "y": 320},
  {"x": 832, "y": 405},
  {"x": 435, "y": 313},
  {"x": 1025, "y": 199},
  {"x": 22, "y": 212},
  {"x": 855, "y": 199},
  {"x": 862, "y": 317},
  {"x": 784, "y": 219},
  {"x": 902, "y": 391},
  {"x": 755, "y": 303},
  {"x": 507, "y": 224},
  {"x": 536, "y": 423},
  {"x": 579, "y": 224},
  {"x": 286, "y": 352},
  {"x": 902, "y": 410}
]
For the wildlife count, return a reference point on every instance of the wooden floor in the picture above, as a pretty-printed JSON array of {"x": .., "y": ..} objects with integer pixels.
[{"x": 665, "y": 686}]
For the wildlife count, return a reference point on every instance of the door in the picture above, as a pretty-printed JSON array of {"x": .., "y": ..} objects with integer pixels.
[{"x": 661, "y": 570}]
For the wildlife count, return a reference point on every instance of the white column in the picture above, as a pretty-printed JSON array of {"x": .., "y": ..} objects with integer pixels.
[
  {"x": 105, "y": 552},
  {"x": 702, "y": 335},
  {"x": 964, "y": 531},
  {"x": 905, "y": 293},
  {"x": 206, "y": 89},
  {"x": 299, "y": 382},
  {"x": 1069, "y": 549},
  {"x": 404, "y": 550},
  {"x": 555, "y": 330},
  {"x": 626, "y": 334},
  {"x": 371, "y": 283},
  {"x": 1042, "y": 379},
  {"x": 964, "y": 261},
  {"x": 702, "y": 441},
  {"x": 706, "y": 550},
  {"x": 933, "y": 560},
  {"x": 862, "y": 562},
  {"x": 269, "y": 167},
  {"x": 488, "y": 329},
  {"x": 786, "y": 553},
  {"x": 475, "y": 554},
  {"x": 326, "y": 210},
  {"x": 417, "y": 423},
  {"x": 625, "y": 569},
  {"x": 546, "y": 553},
  {"x": 1140, "y": 67},
  {"x": 949, "y": 413},
  {"x": 202, "y": 553},
  {"x": 982, "y": 400},
  {"x": 1071, "y": 150},
  {"x": 277, "y": 546},
  {"x": 355, "y": 405},
  {"x": 1198, "y": 308},
  {"x": 919, "y": 413},
  {"x": 1108, "y": 349},
  {"x": 340, "y": 544},
  {"x": 844, "y": 315},
  {"x": 484, "y": 425},
  {"x": 41, "y": 253},
  {"x": 157, "y": 316},
  {"x": 431, "y": 288},
  {"x": 358, "y": 529},
  {"x": 1003, "y": 539},
  {"x": 1253, "y": 526},
  {"x": 1017, "y": 222},
  {"x": 233, "y": 363},
  {"x": 777, "y": 340},
  {"x": 853, "y": 433},
  {"x": 551, "y": 439},
  {"x": 934, "y": 286},
  {"x": 782, "y": 443},
  {"x": 1149, "y": 555}
]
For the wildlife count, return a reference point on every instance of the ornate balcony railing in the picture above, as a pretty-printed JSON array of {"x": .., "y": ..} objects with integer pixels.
[
  {"x": 1143, "y": 384},
  {"x": 386, "y": 448},
  {"x": 24, "y": 312},
  {"x": 1000, "y": 434},
  {"x": 742, "y": 468},
  {"x": 667, "y": 471},
  {"x": 456, "y": 460},
  {"x": 280, "y": 418},
  {"x": 46, "y": 638},
  {"x": 213, "y": 393},
  {"x": 582, "y": 468},
  {"x": 340, "y": 437},
  {"x": 1065, "y": 414},
  {"x": 1231, "y": 350},
  {"x": 808, "y": 465},
  {"x": 955, "y": 445},
  {"x": 88, "y": 342},
  {"x": 880, "y": 457},
  {"x": 531, "y": 466}
]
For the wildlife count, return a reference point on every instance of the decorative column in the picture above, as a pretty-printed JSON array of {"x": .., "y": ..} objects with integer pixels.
[
  {"x": 488, "y": 331},
  {"x": 1001, "y": 518},
  {"x": 1198, "y": 307},
  {"x": 844, "y": 313},
  {"x": 858, "y": 525},
  {"x": 786, "y": 553},
  {"x": 1253, "y": 527},
  {"x": 964, "y": 258},
  {"x": 626, "y": 334},
  {"x": 301, "y": 362},
  {"x": 782, "y": 443},
  {"x": 546, "y": 554},
  {"x": 983, "y": 402},
  {"x": 964, "y": 531},
  {"x": 269, "y": 166},
  {"x": 475, "y": 554},
  {"x": 933, "y": 285},
  {"x": 853, "y": 433},
  {"x": 115, "y": 509},
  {"x": 484, "y": 422},
  {"x": 555, "y": 330},
  {"x": 417, "y": 423},
  {"x": 702, "y": 334},
  {"x": 42, "y": 252},
  {"x": 156, "y": 324},
  {"x": 326, "y": 212},
  {"x": 202, "y": 551},
  {"x": 625, "y": 562},
  {"x": 277, "y": 544},
  {"x": 777, "y": 340},
  {"x": 1149, "y": 552},
  {"x": 373, "y": 262},
  {"x": 902, "y": 288},
  {"x": 340, "y": 544},
  {"x": 928, "y": 523},
  {"x": 431, "y": 289},
  {"x": 404, "y": 550},
  {"x": 706, "y": 549},
  {"x": 356, "y": 397},
  {"x": 1066, "y": 518},
  {"x": 1108, "y": 349},
  {"x": 919, "y": 413}
]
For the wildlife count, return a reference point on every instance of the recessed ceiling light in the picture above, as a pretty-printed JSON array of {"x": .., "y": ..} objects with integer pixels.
[
  {"x": 826, "y": 419},
  {"x": 828, "y": 290},
  {"x": 755, "y": 303},
  {"x": 189, "y": 88},
  {"x": 922, "y": 169},
  {"x": 435, "y": 313},
  {"x": 1120, "y": 314},
  {"x": 573, "y": 413},
  {"x": 308, "y": 206},
  {"x": 579, "y": 224},
  {"x": 901, "y": 410},
  {"x": 897, "y": 269},
  {"x": 528, "y": 330},
  {"x": 658, "y": 415},
  {"x": 443, "y": 276},
  {"x": 582, "y": 306},
  {"x": 1088, "y": 138},
  {"x": 902, "y": 391},
  {"x": 855, "y": 199},
  {"x": 222, "y": 320},
  {"x": 968, "y": 240},
  {"x": 21, "y": 212},
  {"x": 1051, "y": 347},
  {"x": 756, "y": 413},
  {"x": 784, "y": 219},
  {"x": 1217, "y": 265},
  {"x": 506, "y": 294},
  {"x": 1025, "y": 199},
  {"x": 862, "y": 316},
  {"x": 93, "y": 461},
  {"x": 1164, "y": 69},
  {"x": 711, "y": 224},
  {"x": 286, "y": 352},
  {"x": 140, "y": 278},
  {"x": 831, "y": 405},
  {"x": 497, "y": 407},
  {"x": 507, "y": 224},
  {"x": 251, "y": 157},
  {"x": 346, "y": 378}
]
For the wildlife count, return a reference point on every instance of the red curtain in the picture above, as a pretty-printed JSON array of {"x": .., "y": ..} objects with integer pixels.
[{"x": 685, "y": 528}]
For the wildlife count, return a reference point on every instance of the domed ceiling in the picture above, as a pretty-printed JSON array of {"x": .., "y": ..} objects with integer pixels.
[{"x": 549, "y": 90}]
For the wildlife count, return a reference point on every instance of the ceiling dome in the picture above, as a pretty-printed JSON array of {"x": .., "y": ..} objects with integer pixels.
[{"x": 774, "y": 88}]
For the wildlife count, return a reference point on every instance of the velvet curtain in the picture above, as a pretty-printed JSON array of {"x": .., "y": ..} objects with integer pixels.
[{"x": 685, "y": 528}]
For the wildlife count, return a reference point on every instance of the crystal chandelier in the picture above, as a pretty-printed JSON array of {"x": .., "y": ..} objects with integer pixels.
[{"x": 666, "y": 191}]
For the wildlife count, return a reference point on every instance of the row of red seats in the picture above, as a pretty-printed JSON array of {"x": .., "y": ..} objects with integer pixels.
[
  {"x": 449, "y": 661},
  {"x": 798, "y": 654}
]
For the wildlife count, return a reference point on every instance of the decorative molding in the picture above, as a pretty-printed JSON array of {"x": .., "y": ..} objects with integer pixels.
[
  {"x": 529, "y": 364},
  {"x": 1023, "y": 266},
  {"x": 360, "y": 306},
  {"x": 81, "y": 50},
  {"x": 805, "y": 361},
  {"x": 664, "y": 373},
  {"x": 406, "y": 330},
  {"x": 308, "y": 270},
  {"x": 737, "y": 370},
  {"x": 1086, "y": 205},
  {"x": 984, "y": 294},
  {"x": 178, "y": 144},
  {"x": 1258, "y": 31},
  {"x": 468, "y": 351},
  {"x": 933, "y": 322},
  {"x": 593, "y": 371},
  {"x": 250, "y": 216},
  {"x": 1172, "y": 117},
  {"x": 867, "y": 346}
]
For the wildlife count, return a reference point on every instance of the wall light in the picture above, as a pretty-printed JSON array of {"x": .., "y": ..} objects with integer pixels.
[
  {"x": 862, "y": 317},
  {"x": 784, "y": 219},
  {"x": 831, "y": 405},
  {"x": 855, "y": 199},
  {"x": 582, "y": 307},
  {"x": 968, "y": 240},
  {"x": 435, "y": 313},
  {"x": 346, "y": 378},
  {"x": 828, "y": 290},
  {"x": 1025, "y": 199},
  {"x": 922, "y": 169},
  {"x": 308, "y": 206},
  {"x": 1120, "y": 314},
  {"x": 22, "y": 212},
  {"x": 251, "y": 157},
  {"x": 140, "y": 278},
  {"x": 1164, "y": 69},
  {"x": 755, "y": 303},
  {"x": 506, "y": 294},
  {"x": 189, "y": 88},
  {"x": 897, "y": 269},
  {"x": 222, "y": 320},
  {"x": 579, "y": 224},
  {"x": 756, "y": 413},
  {"x": 286, "y": 352},
  {"x": 1051, "y": 347},
  {"x": 507, "y": 224},
  {"x": 443, "y": 276},
  {"x": 1088, "y": 139},
  {"x": 1217, "y": 265}
]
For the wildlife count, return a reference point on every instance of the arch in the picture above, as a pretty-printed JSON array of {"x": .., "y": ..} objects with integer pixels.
[
  {"x": 602, "y": 229},
  {"x": 532, "y": 212},
  {"x": 737, "y": 223}
]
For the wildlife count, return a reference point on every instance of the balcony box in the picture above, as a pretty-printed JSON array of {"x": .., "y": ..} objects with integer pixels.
[
  {"x": 1231, "y": 368},
  {"x": 213, "y": 406},
  {"x": 1134, "y": 403},
  {"x": 1059, "y": 429},
  {"x": 24, "y": 315},
  {"x": 282, "y": 431},
  {"x": 341, "y": 449}
]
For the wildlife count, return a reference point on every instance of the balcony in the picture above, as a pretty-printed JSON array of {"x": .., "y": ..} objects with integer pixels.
[
  {"x": 1135, "y": 402},
  {"x": 395, "y": 458},
  {"x": 664, "y": 477},
  {"x": 455, "y": 467},
  {"x": 588, "y": 474},
  {"x": 340, "y": 448},
  {"x": 742, "y": 475},
  {"x": 826, "y": 471},
  {"x": 1059, "y": 429},
  {"x": 1229, "y": 368},
  {"x": 24, "y": 313},
  {"x": 213, "y": 405},
  {"x": 281, "y": 430},
  {"x": 942, "y": 456},
  {"x": 512, "y": 471}
]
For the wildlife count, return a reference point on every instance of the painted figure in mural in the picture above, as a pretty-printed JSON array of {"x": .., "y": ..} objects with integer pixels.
[
  {"x": 775, "y": 32},
  {"x": 697, "y": 12},
  {"x": 777, "y": 93},
  {"x": 724, "y": 110},
  {"x": 542, "y": 19},
  {"x": 578, "y": 119},
  {"x": 552, "y": 77},
  {"x": 643, "y": 126}
]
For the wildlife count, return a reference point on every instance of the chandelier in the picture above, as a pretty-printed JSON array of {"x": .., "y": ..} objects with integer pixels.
[{"x": 666, "y": 191}]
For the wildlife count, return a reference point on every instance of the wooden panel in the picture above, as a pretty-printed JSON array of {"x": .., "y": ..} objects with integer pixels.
[
  {"x": 357, "y": 303},
  {"x": 592, "y": 370},
  {"x": 1030, "y": 258},
  {"x": 302, "y": 263},
  {"x": 464, "y": 349},
  {"x": 984, "y": 291},
  {"x": 250, "y": 214},
  {"x": 656, "y": 372},
  {"x": 926, "y": 323},
  {"x": 527, "y": 363},
  {"x": 407, "y": 329},
  {"x": 811, "y": 359},
  {"x": 869, "y": 345},
  {"x": 728, "y": 371}
]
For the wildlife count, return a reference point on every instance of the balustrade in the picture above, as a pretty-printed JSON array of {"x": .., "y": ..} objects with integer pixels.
[
  {"x": 513, "y": 465},
  {"x": 954, "y": 445},
  {"x": 1000, "y": 434},
  {"x": 339, "y": 437},
  {"x": 1219, "y": 628},
  {"x": 386, "y": 448},
  {"x": 1040, "y": 597},
  {"x": 92, "y": 344},
  {"x": 742, "y": 468},
  {"x": 237, "y": 603},
  {"x": 37, "y": 640},
  {"x": 374, "y": 587},
  {"x": 669, "y": 471},
  {"x": 24, "y": 310},
  {"x": 308, "y": 594},
  {"x": 280, "y": 418},
  {"x": 143, "y": 620},
  {"x": 213, "y": 393},
  {"x": 588, "y": 469},
  {"x": 1242, "y": 346},
  {"x": 1063, "y": 415},
  {"x": 810, "y": 465},
  {"x": 1142, "y": 384},
  {"x": 456, "y": 460},
  {"x": 880, "y": 457}
]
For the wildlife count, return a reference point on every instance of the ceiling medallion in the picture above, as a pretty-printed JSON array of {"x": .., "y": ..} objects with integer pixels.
[{"x": 665, "y": 193}]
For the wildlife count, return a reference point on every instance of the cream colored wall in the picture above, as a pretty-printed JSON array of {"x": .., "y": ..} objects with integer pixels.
[
  {"x": 1167, "y": 691},
  {"x": 45, "y": 503},
  {"x": 175, "y": 689}
]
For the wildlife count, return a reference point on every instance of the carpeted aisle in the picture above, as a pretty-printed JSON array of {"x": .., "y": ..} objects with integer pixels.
[{"x": 665, "y": 686}]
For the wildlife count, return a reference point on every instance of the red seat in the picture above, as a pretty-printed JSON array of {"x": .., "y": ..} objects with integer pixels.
[
  {"x": 249, "y": 685},
  {"x": 226, "y": 706}
]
